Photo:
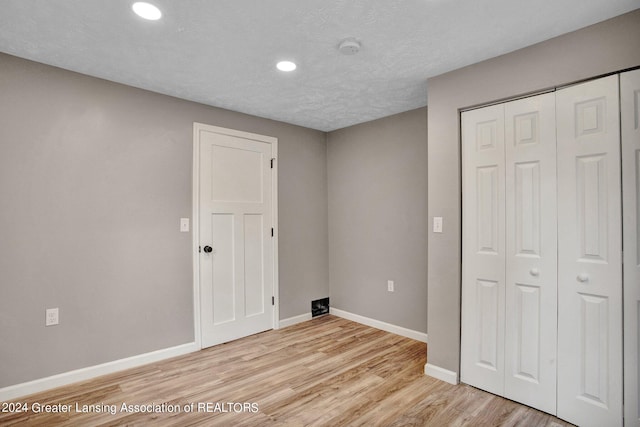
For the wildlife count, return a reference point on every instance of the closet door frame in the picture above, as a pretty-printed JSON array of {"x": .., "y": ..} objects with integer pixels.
[
  {"x": 630, "y": 103},
  {"x": 590, "y": 388}
]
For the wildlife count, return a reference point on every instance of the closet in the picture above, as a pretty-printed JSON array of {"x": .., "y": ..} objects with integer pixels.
[{"x": 542, "y": 276}]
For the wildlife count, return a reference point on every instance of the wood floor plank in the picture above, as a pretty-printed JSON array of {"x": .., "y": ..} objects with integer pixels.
[{"x": 324, "y": 372}]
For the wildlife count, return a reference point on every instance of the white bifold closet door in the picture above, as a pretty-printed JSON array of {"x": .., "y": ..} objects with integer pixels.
[
  {"x": 531, "y": 255},
  {"x": 509, "y": 252},
  {"x": 542, "y": 251},
  {"x": 630, "y": 102},
  {"x": 483, "y": 226},
  {"x": 589, "y": 254}
]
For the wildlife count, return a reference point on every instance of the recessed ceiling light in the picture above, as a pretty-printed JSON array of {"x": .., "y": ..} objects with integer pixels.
[
  {"x": 147, "y": 11},
  {"x": 286, "y": 66}
]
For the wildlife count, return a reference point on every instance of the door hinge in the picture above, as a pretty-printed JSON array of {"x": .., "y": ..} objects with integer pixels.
[
  {"x": 273, "y": 300},
  {"x": 272, "y": 163},
  {"x": 271, "y": 231}
]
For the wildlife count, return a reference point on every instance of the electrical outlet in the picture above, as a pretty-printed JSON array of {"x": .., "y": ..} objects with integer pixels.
[
  {"x": 184, "y": 225},
  {"x": 52, "y": 317},
  {"x": 390, "y": 285}
]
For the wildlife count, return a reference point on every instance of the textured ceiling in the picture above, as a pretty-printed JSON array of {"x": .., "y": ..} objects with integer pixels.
[{"x": 223, "y": 53}]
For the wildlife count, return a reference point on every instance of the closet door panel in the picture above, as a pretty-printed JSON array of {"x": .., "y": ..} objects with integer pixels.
[
  {"x": 531, "y": 252},
  {"x": 589, "y": 254},
  {"x": 482, "y": 361},
  {"x": 630, "y": 103}
]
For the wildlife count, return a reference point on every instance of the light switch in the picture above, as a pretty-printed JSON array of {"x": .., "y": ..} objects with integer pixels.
[
  {"x": 437, "y": 224},
  {"x": 184, "y": 225}
]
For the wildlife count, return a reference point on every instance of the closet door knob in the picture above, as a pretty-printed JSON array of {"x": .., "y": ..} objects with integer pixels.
[
  {"x": 583, "y": 277},
  {"x": 207, "y": 249},
  {"x": 534, "y": 272}
]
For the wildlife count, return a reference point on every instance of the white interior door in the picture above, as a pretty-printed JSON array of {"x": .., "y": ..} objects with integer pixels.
[
  {"x": 236, "y": 200},
  {"x": 531, "y": 252},
  {"x": 630, "y": 103},
  {"x": 483, "y": 226},
  {"x": 589, "y": 249}
]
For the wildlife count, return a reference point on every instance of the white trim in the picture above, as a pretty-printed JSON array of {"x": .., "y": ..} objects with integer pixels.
[
  {"x": 273, "y": 141},
  {"x": 237, "y": 133},
  {"x": 398, "y": 330},
  {"x": 195, "y": 234},
  {"x": 441, "y": 374},
  {"x": 295, "y": 320},
  {"x": 274, "y": 198},
  {"x": 35, "y": 386}
]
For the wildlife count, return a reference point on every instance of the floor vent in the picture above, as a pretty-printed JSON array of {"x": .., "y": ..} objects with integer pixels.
[{"x": 320, "y": 307}]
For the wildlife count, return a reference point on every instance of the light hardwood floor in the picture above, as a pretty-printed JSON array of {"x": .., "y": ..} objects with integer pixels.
[{"x": 325, "y": 372}]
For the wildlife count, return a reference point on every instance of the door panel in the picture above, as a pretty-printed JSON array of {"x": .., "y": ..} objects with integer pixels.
[
  {"x": 488, "y": 210},
  {"x": 531, "y": 252},
  {"x": 527, "y": 211},
  {"x": 488, "y": 316},
  {"x": 591, "y": 193},
  {"x": 254, "y": 232},
  {"x": 589, "y": 255},
  {"x": 630, "y": 102},
  {"x": 482, "y": 363},
  {"x": 223, "y": 271},
  {"x": 527, "y": 334},
  {"x": 594, "y": 336},
  {"x": 227, "y": 183},
  {"x": 236, "y": 216}
]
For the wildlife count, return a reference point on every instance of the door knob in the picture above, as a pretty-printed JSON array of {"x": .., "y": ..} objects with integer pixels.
[
  {"x": 534, "y": 272},
  {"x": 207, "y": 249},
  {"x": 583, "y": 277}
]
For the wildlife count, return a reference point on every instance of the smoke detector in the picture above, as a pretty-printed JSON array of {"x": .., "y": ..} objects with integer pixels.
[{"x": 349, "y": 46}]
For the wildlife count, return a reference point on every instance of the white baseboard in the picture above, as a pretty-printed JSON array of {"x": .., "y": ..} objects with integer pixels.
[
  {"x": 398, "y": 330},
  {"x": 441, "y": 374},
  {"x": 294, "y": 320},
  {"x": 35, "y": 386}
]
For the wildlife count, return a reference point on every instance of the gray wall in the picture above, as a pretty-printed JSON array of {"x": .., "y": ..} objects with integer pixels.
[
  {"x": 94, "y": 177},
  {"x": 602, "y": 48},
  {"x": 378, "y": 219}
]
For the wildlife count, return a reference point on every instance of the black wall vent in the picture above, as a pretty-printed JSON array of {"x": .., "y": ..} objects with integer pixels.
[{"x": 320, "y": 307}]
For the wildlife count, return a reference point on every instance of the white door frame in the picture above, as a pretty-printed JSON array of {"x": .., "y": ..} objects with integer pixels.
[{"x": 195, "y": 229}]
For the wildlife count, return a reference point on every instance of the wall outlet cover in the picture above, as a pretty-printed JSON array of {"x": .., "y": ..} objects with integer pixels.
[{"x": 51, "y": 317}]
